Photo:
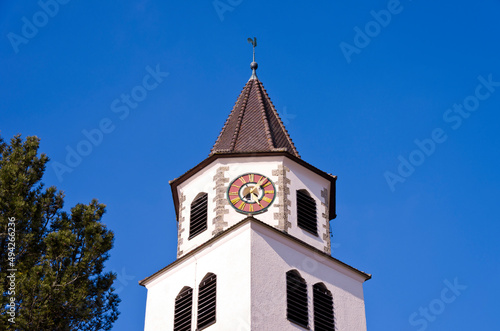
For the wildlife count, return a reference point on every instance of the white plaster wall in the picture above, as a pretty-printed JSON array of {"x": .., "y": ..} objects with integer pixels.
[
  {"x": 200, "y": 182},
  {"x": 273, "y": 256},
  {"x": 251, "y": 263},
  {"x": 300, "y": 178},
  {"x": 303, "y": 178},
  {"x": 229, "y": 259}
]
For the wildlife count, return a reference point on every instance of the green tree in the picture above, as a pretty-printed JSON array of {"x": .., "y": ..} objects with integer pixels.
[{"x": 59, "y": 256}]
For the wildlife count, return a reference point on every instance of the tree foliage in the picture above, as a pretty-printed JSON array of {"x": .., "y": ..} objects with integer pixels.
[{"x": 60, "y": 283}]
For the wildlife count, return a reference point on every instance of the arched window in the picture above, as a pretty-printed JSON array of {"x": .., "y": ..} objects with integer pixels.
[
  {"x": 198, "y": 221},
  {"x": 296, "y": 299},
  {"x": 323, "y": 308},
  {"x": 183, "y": 309},
  {"x": 207, "y": 300},
  {"x": 306, "y": 212}
]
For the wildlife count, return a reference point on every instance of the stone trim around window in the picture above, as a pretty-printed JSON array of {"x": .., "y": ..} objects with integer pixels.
[
  {"x": 220, "y": 200},
  {"x": 283, "y": 200},
  {"x": 326, "y": 221},
  {"x": 180, "y": 224}
]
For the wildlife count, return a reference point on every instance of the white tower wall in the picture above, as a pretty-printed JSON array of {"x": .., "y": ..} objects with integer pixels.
[
  {"x": 229, "y": 259},
  {"x": 273, "y": 255},
  {"x": 251, "y": 261}
]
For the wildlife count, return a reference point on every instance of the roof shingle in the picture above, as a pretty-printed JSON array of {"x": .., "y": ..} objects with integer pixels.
[{"x": 254, "y": 125}]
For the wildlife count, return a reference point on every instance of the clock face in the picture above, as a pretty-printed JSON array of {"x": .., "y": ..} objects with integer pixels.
[{"x": 251, "y": 193}]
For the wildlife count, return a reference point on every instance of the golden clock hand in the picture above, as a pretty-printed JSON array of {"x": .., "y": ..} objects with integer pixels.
[
  {"x": 256, "y": 199},
  {"x": 259, "y": 183},
  {"x": 252, "y": 189}
]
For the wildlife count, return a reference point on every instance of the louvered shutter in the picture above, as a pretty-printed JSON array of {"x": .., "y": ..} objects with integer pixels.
[
  {"x": 306, "y": 212},
  {"x": 198, "y": 221},
  {"x": 323, "y": 308},
  {"x": 207, "y": 301},
  {"x": 183, "y": 310},
  {"x": 296, "y": 299}
]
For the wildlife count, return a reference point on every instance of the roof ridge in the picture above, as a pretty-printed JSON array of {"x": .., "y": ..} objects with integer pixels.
[
  {"x": 240, "y": 115},
  {"x": 238, "y": 100},
  {"x": 264, "y": 116},
  {"x": 280, "y": 122}
]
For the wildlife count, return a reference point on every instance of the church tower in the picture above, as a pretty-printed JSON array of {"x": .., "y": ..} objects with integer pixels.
[{"x": 253, "y": 249}]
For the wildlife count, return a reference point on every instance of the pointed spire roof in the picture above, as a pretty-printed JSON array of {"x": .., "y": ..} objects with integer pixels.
[{"x": 254, "y": 125}]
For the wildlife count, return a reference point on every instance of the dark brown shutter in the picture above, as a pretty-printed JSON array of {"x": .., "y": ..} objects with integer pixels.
[
  {"x": 183, "y": 309},
  {"x": 323, "y": 308},
  {"x": 306, "y": 212},
  {"x": 198, "y": 221},
  {"x": 207, "y": 300},
  {"x": 296, "y": 299}
]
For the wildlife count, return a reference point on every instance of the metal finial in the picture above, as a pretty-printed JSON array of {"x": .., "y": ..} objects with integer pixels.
[{"x": 254, "y": 64}]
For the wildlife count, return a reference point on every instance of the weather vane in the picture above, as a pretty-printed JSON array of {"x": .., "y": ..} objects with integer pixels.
[
  {"x": 254, "y": 44},
  {"x": 253, "y": 65}
]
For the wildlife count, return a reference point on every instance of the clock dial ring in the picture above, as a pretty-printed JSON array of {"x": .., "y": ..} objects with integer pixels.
[{"x": 251, "y": 193}]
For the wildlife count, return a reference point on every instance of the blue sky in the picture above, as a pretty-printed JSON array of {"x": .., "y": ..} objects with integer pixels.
[{"x": 400, "y": 100}]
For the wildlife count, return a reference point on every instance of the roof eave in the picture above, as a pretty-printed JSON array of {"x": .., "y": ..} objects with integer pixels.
[{"x": 208, "y": 243}]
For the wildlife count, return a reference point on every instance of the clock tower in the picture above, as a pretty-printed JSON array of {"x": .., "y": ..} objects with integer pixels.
[{"x": 253, "y": 250}]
